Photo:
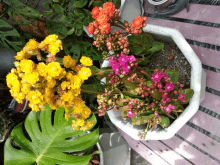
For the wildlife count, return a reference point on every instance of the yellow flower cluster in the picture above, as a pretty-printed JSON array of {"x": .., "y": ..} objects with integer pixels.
[
  {"x": 30, "y": 49},
  {"x": 51, "y": 44},
  {"x": 49, "y": 83}
]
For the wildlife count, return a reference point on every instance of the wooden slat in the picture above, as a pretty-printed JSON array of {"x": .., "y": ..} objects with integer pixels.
[
  {"x": 206, "y": 122},
  {"x": 200, "y": 33},
  {"x": 143, "y": 150},
  {"x": 206, "y": 13},
  {"x": 212, "y": 79},
  {"x": 211, "y": 102}
]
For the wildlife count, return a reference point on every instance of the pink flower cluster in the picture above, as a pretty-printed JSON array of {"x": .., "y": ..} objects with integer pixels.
[{"x": 122, "y": 63}]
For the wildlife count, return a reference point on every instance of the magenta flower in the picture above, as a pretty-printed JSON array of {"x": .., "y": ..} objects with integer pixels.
[
  {"x": 130, "y": 113},
  {"x": 126, "y": 68},
  {"x": 114, "y": 65},
  {"x": 182, "y": 97},
  {"x": 132, "y": 59},
  {"x": 156, "y": 77},
  {"x": 169, "y": 108},
  {"x": 122, "y": 59},
  {"x": 169, "y": 87}
]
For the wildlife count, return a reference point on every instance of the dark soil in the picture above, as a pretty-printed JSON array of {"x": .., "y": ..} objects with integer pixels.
[{"x": 172, "y": 58}]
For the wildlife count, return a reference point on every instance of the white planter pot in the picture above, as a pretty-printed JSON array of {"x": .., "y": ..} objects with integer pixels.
[{"x": 198, "y": 84}]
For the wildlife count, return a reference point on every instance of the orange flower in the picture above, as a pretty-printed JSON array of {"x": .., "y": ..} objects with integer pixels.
[
  {"x": 90, "y": 28},
  {"x": 105, "y": 28},
  {"x": 96, "y": 23},
  {"x": 109, "y": 7},
  {"x": 102, "y": 18},
  {"x": 95, "y": 12},
  {"x": 137, "y": 22}
]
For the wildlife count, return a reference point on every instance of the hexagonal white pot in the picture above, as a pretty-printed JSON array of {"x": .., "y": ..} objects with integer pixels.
[{"x": 198, "y": 83}]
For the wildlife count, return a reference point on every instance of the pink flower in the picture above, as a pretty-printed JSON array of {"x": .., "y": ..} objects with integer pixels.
[
  {"x": 126, "y": 68},
  {"x": 156, "y": 77},
  {"x": 182, "y": 97},
  {"x": 122, "y": 59},
  {"x": 114, "y": 65},
  {"x": 169, "y": 108},
  {"x": 132, "y": 59},
  {"x": 164, "y": 95},
  {"x": 130, "y": 113},
  {"x": 169, "y": 87}
]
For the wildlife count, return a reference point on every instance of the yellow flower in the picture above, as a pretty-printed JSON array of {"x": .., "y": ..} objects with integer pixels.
[
  {"x": 76, "y": 82},
  {"x": 16, "y": 85},
  {"x": 84, "y": 73},
  {"x": 42, "y": 45},
  {"x": 51, "y": 38},
  {"x": 54, "y": 69},
  {"x": 69, "y": 75},
  {"x": 41, "y": 69},
  {"x": 54, "y": 48},
  {"x": 86, "y": 61},
  {"x": 74, "y": 125},
  {"x": 80, "y": 122},
  {"x": 20, "y": 55},
  {"x": 78, "y": 107},
  {"x": 34, "y": 107},
  {"x": 27, "y": 66},
  {"x": 31, "y": 78},
  {"x": 25, "y": 88},
  {"x": 62, "y": 74},
  {"x": 35, "y": 97},
  {"x": 67, "y": 96},
  {"x": 20, "y": 97},
  {"x": 32, "y": 43},
  {"x": 65, "y": 85},
  {"x": 10, "y": 78},
  {"x": 69, "y": 62},
  {"x": 90, "y": 124},
  {"x": 86, "y": 112},
  {"x": 76, "y": 92},
  {"x": 51, "y": 83}
]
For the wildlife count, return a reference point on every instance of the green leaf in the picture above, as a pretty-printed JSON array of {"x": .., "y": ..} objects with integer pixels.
[
  {"x": 48, "y": 13},
  {"x": 98, "y": 3},
  {"x": 117, "y": 4},
  {"x": 91, "y": 51},
  {"x": 91, "y": 2},
  {"x": 57, "y": 28},
  {"x": 174, "y": 75},
  {"x": 75, "y": 50},
  {"x": 79, "y": 32},
  {"x": 62, "y": 18},
  {"x": 156, "y": 46},
  {"x": 139, "y": 120},
  {"x": 164, "y": 121},
  {"x": 71, "y": 31},
  {"x": 157, "y": 95},
  {"x": 80, "y": 3},
  {"x": 48, "y": 146},
  {"x": 9, "y": 37},
  {"x": 149, "y": 83},
  {"x": 58, "y": 8},
  {"x": 47, "y": 5},
  {"x": 188, "y": 95}
]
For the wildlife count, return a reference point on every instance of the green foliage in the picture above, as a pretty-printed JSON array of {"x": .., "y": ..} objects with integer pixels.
[
  {"x": 57, "y": 28},
  {"x": 143, "y": 45},
  {"x": 188, "y": 95},
  {"x": 20, "y": 9},
  {"x": 9, "y": 36},
  {"x": 164, "y": 121},
  {"x": 174, "y": 75},
  {"x": 48, "y": 146},
  {"x": 139, "y": 120},
  {"x": 77, "y": 48}
]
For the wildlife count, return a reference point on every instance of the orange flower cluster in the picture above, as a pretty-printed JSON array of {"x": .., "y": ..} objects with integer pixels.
[{"x": 103, "y": 16}]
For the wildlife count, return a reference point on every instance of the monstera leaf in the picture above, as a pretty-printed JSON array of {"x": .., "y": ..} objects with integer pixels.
[{"x": 49, "y": 142}]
